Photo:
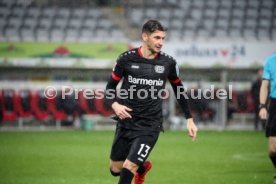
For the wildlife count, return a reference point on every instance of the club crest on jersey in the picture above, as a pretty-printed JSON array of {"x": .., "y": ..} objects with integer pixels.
[{"x": 159, "y": 69}]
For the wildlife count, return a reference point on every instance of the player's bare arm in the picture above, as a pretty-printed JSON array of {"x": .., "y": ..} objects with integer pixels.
[{"x": 263, "y": 98}]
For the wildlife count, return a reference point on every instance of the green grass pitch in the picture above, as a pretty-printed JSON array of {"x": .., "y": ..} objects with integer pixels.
[{"x": 79, "y": 157}]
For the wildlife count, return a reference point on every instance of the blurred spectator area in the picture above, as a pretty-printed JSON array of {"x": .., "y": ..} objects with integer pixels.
[
  {"x": 86, "y": 21},
  {"x": 241, "y": 107},
  {"x": 208, "y": 19},
  {"x": 56, "y": 21},
  {"x": 20, "y": 105}
]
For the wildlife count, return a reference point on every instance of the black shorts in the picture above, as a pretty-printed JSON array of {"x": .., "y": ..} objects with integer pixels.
[
  {"x": 271, "y": 122},
  {"x": 133, "y": 145}
]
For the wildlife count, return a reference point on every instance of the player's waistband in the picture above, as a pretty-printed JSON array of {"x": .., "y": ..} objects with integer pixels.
[{"x": 272, "y": 100}]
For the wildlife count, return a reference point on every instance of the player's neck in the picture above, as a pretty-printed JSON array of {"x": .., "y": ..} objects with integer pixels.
[{"x": 146, "y": 53}]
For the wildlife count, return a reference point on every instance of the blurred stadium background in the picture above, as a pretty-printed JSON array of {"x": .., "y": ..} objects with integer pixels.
[
  {"x": 57, "y": 43},
  {"x": 74, "y": 43}
]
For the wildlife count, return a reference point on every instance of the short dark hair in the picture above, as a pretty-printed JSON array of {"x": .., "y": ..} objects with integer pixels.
[{"x": 153, "y": 25}]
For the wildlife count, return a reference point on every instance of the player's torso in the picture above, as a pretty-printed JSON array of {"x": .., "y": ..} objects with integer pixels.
[
  {"x": 272, "y": 69},
  {"x": 144, "y": 73},
  {"x": 145, "y": 79}
]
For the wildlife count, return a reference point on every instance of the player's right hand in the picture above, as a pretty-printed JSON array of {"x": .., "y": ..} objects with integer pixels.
[
  {"x": 192, "y": 129},
  {"x": 121, "y": 111},
  {"x": 263, "y": 114}
]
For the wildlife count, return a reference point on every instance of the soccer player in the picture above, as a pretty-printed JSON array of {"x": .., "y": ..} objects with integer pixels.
[
  {"x": 144, "y": 72},
  {"x": 269, "y": 79}
]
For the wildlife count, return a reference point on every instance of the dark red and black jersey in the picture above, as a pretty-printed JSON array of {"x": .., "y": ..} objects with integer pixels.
[{"x": 143, "y": 81}]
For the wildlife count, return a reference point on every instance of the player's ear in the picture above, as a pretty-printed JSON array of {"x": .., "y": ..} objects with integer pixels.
[{"x": 145, "y": 36}]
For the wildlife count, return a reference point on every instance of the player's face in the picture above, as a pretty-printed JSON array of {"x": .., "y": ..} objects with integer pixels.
[{"x": 155, "y": 41}]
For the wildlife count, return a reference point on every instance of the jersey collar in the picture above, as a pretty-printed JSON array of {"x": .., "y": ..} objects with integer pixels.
[{"x": 141, "y": 54}]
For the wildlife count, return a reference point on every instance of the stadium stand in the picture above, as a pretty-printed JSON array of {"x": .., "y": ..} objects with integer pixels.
[
  {"x": 243, "y": 101},
  {"x": 201, "y": 19},
  {"x": 215, "y": 19},
  {"x": 23, "y": 106},
  {"x": 56, "y": 110},
  {"x": 18, "y": 106},
  {"x": 55, "y": 23},
  {"x": 243, "y": 106},
  {"x": 87, "y": 105},
  {"x": 39, "y": 106},
  {"x": 8, "y": 106}
]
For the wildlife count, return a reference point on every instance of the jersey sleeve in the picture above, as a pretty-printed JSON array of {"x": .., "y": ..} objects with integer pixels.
[
  {"x": 116, "y": 76},
  {"x": 118, "y": 70},
  {"x": 174, "y": 74},
  {"x": 176, "y": 86},
  {"x": 266, "y": 74}
]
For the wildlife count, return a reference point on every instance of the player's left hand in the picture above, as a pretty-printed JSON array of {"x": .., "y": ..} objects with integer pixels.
[{"x": 192, "y": 129}]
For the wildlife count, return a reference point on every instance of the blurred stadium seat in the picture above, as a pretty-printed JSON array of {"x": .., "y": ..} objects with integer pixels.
[
  {"x": 23, "y": 106},
  {"x": 202, "y": 17},
  {"x": 8, "y": 101},
  {"x": 199, "y": 16},
  {"x": 55, "y": 110},
  {"x": 243, "y": 101},
  {"x": 39, "y": 106},
  {"x": 87, "y": 105},
  {"x": 102, "y": 108},
  {"x": 53, "y": 22}
]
